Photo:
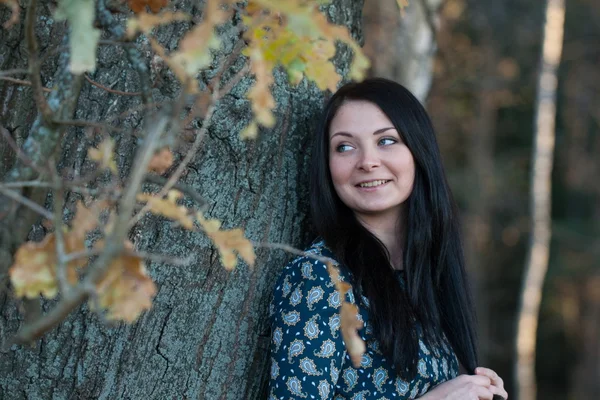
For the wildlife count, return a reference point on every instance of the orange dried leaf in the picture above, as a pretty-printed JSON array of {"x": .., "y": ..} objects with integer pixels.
[
  {"x": 33, "y": 272},
  {"x": 350, "y": 324},
  {"x": 138, "y": 6},
  {"x": 168, "y": 207},
  {"x": 228, "y": 242},
  {"x": 402, "y": 4},
  {"x": 161, "y": 161},
  {"x": 126, "y": 290},
  {"x": 104, "y": 155}
]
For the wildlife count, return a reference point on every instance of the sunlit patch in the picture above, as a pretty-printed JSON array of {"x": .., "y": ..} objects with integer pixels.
[{"x": 327, "y": 349}]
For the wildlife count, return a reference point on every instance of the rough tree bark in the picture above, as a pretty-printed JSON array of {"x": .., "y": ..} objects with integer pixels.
[{"x": 206, "y": 336}]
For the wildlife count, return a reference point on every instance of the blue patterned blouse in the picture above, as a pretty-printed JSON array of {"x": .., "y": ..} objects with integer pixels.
[{"x": 308, "y": 356}]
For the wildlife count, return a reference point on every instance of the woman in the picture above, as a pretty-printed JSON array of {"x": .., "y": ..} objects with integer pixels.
[{"x": 384, "y": 211}]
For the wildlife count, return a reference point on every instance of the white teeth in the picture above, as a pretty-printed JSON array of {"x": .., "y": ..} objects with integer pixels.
[{"x": 372, "y": 183}]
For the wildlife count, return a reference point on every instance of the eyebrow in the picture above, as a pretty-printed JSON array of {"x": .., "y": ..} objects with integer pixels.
[{"x": 377, "y": 132}]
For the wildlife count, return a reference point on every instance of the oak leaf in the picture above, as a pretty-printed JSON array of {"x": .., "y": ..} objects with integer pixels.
[
  {"x": 228, "y": 242},
  {"x": 126, "y": 290},
  {"x": 138, "y": 6},
  {"x": 104, "y": 155},
  {"x": 168, "y": 207},
  {"x": 161, "y": 161}
]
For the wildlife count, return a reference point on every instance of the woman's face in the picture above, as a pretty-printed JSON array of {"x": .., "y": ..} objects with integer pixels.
[{"x": 371, "y": 168}]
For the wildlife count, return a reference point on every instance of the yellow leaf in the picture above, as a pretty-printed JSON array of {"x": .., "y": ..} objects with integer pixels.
[
  {"x": 168, "y": 207},
  {"x": 104, "y": 155},
  {"x": 145, "y": 22},
  {"x": 33, "y": 272},
  {"x": 126, "y": 290},
  {"x": 402, "y": 4},
  {"x": 161, "y": 161},
  {"x": 228, "y": 242},
  {"x": 249, "y": 132},
  {"x": 15, "y": 9}
]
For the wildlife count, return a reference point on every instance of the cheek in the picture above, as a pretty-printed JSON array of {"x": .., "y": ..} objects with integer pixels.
[{"x": 338, "y": 170}]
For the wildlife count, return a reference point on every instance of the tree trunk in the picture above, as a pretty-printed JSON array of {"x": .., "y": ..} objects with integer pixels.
[
  {"x": 539, "y": 246},
  {"x": 207, "y": 335},
  {"x": 402, "y": 48}
]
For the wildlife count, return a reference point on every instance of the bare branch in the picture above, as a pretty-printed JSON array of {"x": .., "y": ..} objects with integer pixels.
[
  {"x": 58, "y": 200},
  {"x": 25, "y": 201},
  {"x": 182, "y": 187},
  {"x": 109, "y": 89},
  {"x": 22, "y": 82},
  {"x": 293, "y": 250},
  {"x": 34, "y": 66}
]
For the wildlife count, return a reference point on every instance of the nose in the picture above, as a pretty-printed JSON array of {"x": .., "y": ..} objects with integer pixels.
[{"x": 369, "y": 160}]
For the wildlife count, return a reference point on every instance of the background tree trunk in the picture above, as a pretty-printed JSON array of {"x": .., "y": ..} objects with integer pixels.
[
  {"x": 540, "y": 202},
  {"x": 207, "y": 335}
]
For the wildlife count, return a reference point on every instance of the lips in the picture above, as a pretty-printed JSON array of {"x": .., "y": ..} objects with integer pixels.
[{"x": 372, "y": 183}]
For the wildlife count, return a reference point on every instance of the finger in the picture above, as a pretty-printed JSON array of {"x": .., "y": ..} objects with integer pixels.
[
  {"x": 490, "y": 373},
  {"x": 484, "y": 393},
  {"x": 480, "y": 380},
  {"x": 499, "y": 391}
]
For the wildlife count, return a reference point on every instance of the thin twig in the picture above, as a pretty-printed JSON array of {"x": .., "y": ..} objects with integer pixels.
[
  {"x": 34, "y": 66},
  {"x": 21, "y": 82},
  {"x": 293, "y": 250},
  {"x": 58, "y": 200},
  {"x": 182, "y": 187},
  {"x": 22, "y": 156},
  {"x": 25, "y": 201},
  {"x": 17, "y": 71},
  {"x": 90, "y": 80},
  {"x": 159, "y": 258}
]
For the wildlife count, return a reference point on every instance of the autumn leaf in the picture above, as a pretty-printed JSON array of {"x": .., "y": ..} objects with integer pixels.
[
  {"x": 138, "y": 6},
  {"x": 161, "y": 161},
  {"x": 228, "y": 242},
  {"x": 33, "y": 272},
  {"x": 402, "y": 4},
  {"x": 126, "y": 290},
  {"x": 15, "y": 10},
  {"x": 168, "y": 207},
  {"x": 350, "y": 324},
  {"x": 83, "y": 38},
  {"x": 104, "y": 155}
]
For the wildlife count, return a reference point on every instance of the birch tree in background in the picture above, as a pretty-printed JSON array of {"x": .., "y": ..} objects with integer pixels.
[{"x": 540, "y": 204}]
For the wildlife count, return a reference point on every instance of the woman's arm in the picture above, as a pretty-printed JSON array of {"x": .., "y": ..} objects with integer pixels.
[{"x": 307, "y": 350}]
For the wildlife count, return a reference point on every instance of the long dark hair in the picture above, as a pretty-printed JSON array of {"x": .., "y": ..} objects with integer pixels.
[{"x": 437, "y": 296}]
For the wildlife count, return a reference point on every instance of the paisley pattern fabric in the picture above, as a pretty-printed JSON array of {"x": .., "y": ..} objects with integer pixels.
[{"x": 308, "y": 356}]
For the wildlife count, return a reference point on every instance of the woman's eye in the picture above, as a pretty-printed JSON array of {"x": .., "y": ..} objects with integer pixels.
[
  {"x": 343, "y": 148},
  {"x": 387, "y": 141}
]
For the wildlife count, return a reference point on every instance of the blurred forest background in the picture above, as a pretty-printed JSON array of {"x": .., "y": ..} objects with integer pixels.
[
  {"x": 482, "y": 102},
  {"x": 480, "y": 90}
]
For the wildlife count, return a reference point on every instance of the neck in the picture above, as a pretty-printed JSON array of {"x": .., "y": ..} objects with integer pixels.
[{"x": 391, "y": 232}]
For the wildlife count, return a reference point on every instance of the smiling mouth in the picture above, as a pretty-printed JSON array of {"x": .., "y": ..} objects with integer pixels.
[{"x": 372, "y": 183}]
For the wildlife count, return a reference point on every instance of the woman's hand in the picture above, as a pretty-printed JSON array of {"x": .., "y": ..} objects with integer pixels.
[
  {"x": 497, "y": 382},
  {"x": 482, "y": 386}
]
